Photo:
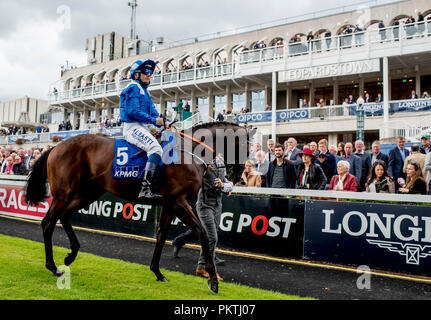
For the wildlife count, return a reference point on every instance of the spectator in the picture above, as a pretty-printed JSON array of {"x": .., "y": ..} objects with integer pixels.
[
  {"x": 350, "y": 99},
  {"x": 425, "y": 95},
  {"x": 291, "y": 151},
  {"x": 425, "y": 141},
  {"x": 326, "y": 160},
  {"x": 368, "y": 98},
  {"x": 309, "y": 175},
  {"x": 415, "y": 184},
  {"x": 428, "y": 170},
  {"x": 305, "y": 103},
  {"x": 281, "y": 174},
  {"x": 313, "y": 147},
  {"x": 250, "y": 177},
  {"x": 379, "y": 98},
  {"x": 220, "y": 117},
  {"x": 39, "y": 128},
  {"x": 8, "y": 165},
  {"x": 377, "y": 155},
  {"x": 416, "y": 156},
  {"x": 413, "y": 95},
  {"x": 379, "y": 181},
  {"x": 19, "y": 167},
  {"x": 366, "y": 163},
  {"x": 343, "y": 181},
  {"x": 262, "y": 164},
  {"x": 333, "y": 150},
  {"x": 328, "y": 37},
  {"x": 382, "y": 31},
  {"x": 396, "y": 161},
  {"x": 36, "y": 154},
  {"x": 270, "y": 156},
  {"x": 32, "y": 161},
  {"x": 77, "y": 125},
  {"x": 256, "y": 148},
  {"x": 354, "y": 161},
  {"x": 340, "y": 149}
]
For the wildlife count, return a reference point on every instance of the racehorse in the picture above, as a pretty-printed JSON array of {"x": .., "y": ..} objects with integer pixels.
[{"x": 78, "y": 171}]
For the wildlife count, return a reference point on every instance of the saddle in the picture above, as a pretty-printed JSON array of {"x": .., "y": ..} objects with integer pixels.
[{"x": 129, "y": 160}]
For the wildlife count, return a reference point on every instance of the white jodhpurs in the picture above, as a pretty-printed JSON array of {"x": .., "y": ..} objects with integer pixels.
[{"x": 138, "y": 134}]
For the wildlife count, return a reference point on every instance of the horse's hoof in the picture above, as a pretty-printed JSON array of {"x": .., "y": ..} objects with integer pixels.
[
  {"x": 162, "y": 279},
  {"x": 213, "y": 285},
  {"x": 57, "y": 273},
  {"x": 68, "y": 259}
]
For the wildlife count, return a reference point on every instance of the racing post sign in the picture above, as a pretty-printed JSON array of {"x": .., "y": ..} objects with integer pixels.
[{"x": 381, "y": 236}]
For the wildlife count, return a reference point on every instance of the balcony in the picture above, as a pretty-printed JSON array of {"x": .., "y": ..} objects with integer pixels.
[{"x": 392, "y": 41}]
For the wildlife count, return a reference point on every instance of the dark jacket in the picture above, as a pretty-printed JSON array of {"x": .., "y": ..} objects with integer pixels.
[
  {"x": 288, "y": 174},
  {"x": 19, "y": 168},
  {"x": 329, "y": 166},
  {"x": 420, "y": 187},
  {"x": 383, "y": 157},
  {"x": 396, "y": 163},
  {"x": 316, "y": 179}
]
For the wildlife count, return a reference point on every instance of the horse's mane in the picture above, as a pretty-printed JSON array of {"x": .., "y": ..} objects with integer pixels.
[{"x": 207, "y": 125}]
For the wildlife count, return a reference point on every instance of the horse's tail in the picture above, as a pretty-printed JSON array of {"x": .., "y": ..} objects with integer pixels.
[{"x": 36, "y": 188}]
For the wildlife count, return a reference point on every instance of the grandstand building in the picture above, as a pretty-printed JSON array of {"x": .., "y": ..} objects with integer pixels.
[{"x": 292, "y": 75}]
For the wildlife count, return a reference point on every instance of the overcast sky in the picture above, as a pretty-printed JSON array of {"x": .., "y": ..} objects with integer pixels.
[{"x": 38, "y": 36}]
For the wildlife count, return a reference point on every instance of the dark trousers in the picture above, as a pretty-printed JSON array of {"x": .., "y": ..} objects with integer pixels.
[{"x": 184, "y": 238}]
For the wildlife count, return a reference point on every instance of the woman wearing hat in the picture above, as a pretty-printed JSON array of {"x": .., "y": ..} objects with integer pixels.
[
  {"x": 309, "y": 175},
  {"x": 137, "y": 111}
]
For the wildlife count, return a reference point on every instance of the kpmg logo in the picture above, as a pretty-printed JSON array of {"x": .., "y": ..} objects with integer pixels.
[
  {"x": 126, "y": 172},
  {"x": 411, "y": 232}
]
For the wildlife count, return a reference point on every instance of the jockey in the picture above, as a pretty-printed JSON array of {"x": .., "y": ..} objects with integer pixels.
[{"x": 137, "y": 111}]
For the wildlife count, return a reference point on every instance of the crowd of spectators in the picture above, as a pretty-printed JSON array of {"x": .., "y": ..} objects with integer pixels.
[
  {"x": 346, "y": 167},
  {"x": 20, "y": 161}
]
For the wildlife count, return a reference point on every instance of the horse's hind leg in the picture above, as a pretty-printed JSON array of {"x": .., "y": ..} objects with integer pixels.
[
  {"x": 48, "y": 226},
  {"x": 162, "y": 232},
  {"x": 74, "y": 206}
]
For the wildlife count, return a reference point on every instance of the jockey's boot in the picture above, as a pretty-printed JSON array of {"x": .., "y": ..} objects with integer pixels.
[{"x": 147, "y": 191}]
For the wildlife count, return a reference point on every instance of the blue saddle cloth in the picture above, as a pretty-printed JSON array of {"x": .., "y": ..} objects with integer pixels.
[{"x": 127, "y": 165}]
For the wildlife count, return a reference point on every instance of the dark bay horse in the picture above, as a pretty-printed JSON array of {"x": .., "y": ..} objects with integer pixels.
[{"x": 78, "y": 171}]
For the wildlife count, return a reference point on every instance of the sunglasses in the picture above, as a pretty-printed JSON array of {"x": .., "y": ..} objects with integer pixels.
[{"x": 147, "y": 72}]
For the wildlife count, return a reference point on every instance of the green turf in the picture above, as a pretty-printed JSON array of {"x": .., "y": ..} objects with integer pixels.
[{"x": 23, "y": 276}]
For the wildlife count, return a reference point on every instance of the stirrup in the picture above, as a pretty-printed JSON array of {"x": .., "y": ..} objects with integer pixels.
[{"x": 146, "y": 192}]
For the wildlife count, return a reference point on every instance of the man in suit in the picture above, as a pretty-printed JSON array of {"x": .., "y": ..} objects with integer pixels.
[
  {"x": 425, "y": 141},
  {"x": 326, "y": 160},
  {"x": 355, "y": 161},
  {"x": 291, "y": 151},
  {"x": 416, "y": 156},
  {"x": 379, "y": 98},
  {"x": 397, "y": 156},
  {"x": 377, "y": 155},
  {"x": 366, "y": 163},
  {"x": 368, "y": 98},
  {"x": 413, "y": 95}
]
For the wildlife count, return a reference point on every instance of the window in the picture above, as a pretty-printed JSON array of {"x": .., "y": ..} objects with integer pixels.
[
  {"x": 257, "y": 101},
  {"x": 219, "y": 104},
  {"x": 238, "y": 102}
]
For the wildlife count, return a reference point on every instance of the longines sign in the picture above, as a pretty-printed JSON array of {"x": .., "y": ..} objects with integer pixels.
[
  {"x": 330, "y": 70},
  {"x": 390, "y": 237}
]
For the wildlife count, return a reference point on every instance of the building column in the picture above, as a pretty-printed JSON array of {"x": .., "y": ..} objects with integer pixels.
[
  {"x": 177, "y": 98},
  {"x": 332, "y": 139},
  {"x": 162, "y": 104},
  {"x": 335, "y": 94},
  {"x": 311, "y": 100},
  {"x": 274, "y": 106},
  {"x": 210, "y": 103},
  {"x": 228, "y": 98},
  {"x": 75, "y": 117},
  {"x": 418, "y": 81},
  {"x": 247, "y": 96},
  {"x": 85, "y": 112},
  {"x": 193, "y": 101},
  {"x": 288, "y": 97},
  {"x": 361, "y": 85},
  {"x": 385, "y": 98}
]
